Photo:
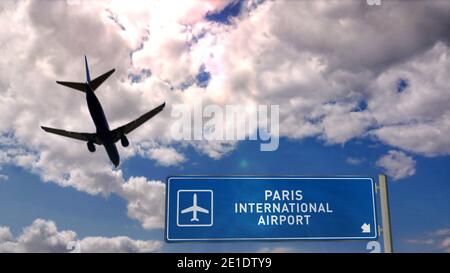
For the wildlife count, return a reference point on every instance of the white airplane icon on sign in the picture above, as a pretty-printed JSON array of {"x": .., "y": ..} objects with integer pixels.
[{"x": 194, "y": 209}]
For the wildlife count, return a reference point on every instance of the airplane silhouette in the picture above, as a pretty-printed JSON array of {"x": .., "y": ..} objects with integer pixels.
[
  {"x": 103, "y": 135},
  {"x": 194, "y": 209}
]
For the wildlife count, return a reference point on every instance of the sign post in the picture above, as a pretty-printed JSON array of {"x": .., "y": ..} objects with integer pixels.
[
  {"x": 211, "y": 208},
  {"x": 385, "y": 214}
]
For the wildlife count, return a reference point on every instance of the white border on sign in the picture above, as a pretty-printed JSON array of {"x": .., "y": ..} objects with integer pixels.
[{"x": 276, "y": 238}]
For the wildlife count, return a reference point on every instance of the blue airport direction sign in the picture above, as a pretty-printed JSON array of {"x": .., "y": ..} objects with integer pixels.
[{"x": 210, "y": 208}]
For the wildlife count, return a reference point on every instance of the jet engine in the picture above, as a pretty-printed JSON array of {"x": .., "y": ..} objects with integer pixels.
[
  {"x": 91, "y": 146},
  {"x": 124, "y": 141}
]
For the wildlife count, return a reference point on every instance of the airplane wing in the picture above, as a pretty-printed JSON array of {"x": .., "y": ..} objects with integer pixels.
[
  {"x": 127, "y": 128},
  {"x": 195, "y": 208},
  {"x": 74, "y": 135},
  {"x": 188, "y": 210},
  {"x": 200, "y": 209}
]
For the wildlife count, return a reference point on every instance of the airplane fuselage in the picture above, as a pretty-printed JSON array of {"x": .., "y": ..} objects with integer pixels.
[
  {"x": 101, "y": 125},
  {"x": 194, "y": 216}
]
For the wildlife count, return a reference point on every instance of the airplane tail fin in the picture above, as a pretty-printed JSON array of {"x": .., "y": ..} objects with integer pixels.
[
  {"x": 94, "y": 84},
  {"x": 88, "y": 75}
]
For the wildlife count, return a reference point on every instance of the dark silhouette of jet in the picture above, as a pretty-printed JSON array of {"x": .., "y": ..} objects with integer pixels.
[{"x": 103, "y": 136}]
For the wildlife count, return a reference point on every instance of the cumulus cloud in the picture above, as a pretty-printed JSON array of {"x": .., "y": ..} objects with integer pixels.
[
  {"x": 355, "y": 161},
  {"x": 417, "y": 118},
  {"x": 276, "y": 250},
  {"x": 334, "y": 76},
  {"x": 439, "y": 239},
  {"x": 52, "y": 50},
  {"x": 166, "y": 156},
  {"x": 327, "y": 73},
  {"x": 5, "y": 234},
  {"x": 397, "y": 164},
  {"x": 145, "y": 201},
  {"x": 117, "y": 244},
  {"x": 43, "y": 236},
  {"x": 163, "y": 155},
  {"x": 35, "y": 100}
]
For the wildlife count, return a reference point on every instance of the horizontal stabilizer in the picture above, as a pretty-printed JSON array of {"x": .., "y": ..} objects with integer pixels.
[
  {"x": 80, "y": 86},
  {"x": 95, "y": 83}
]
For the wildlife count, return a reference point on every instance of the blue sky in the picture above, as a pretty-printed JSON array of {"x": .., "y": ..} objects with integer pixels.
[
  {"x": 418, "y": 203},
  {"x": 224, "y": 15},
  {"x": 347, "y": 107}
]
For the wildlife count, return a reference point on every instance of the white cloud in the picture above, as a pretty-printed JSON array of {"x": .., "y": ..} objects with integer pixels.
[
  {"x": 439, "y": 239},
  {"x": 117, "y": 244},
  {"x": 441, "y": 232},
  {"x": 417, "y": 118},
  {"x": 321, "y": 70},
  {"x": 145, "y": 198},
  {"x": 53, "y": 51},
  {"x": 355, "y": 161},
  {"x": 5, "y": 234},
  {"x": 276, "y": 250},
  {"x": 43, "y": 236},
  {"x": 445, "y": 244},
  {"x": 145, "y": 201},
  {"x": 165, "y": 156},
  {"x": 215, "y": 149},
  {"x": 397, "y": 164},
  {"x": 317, "y": 60}
]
